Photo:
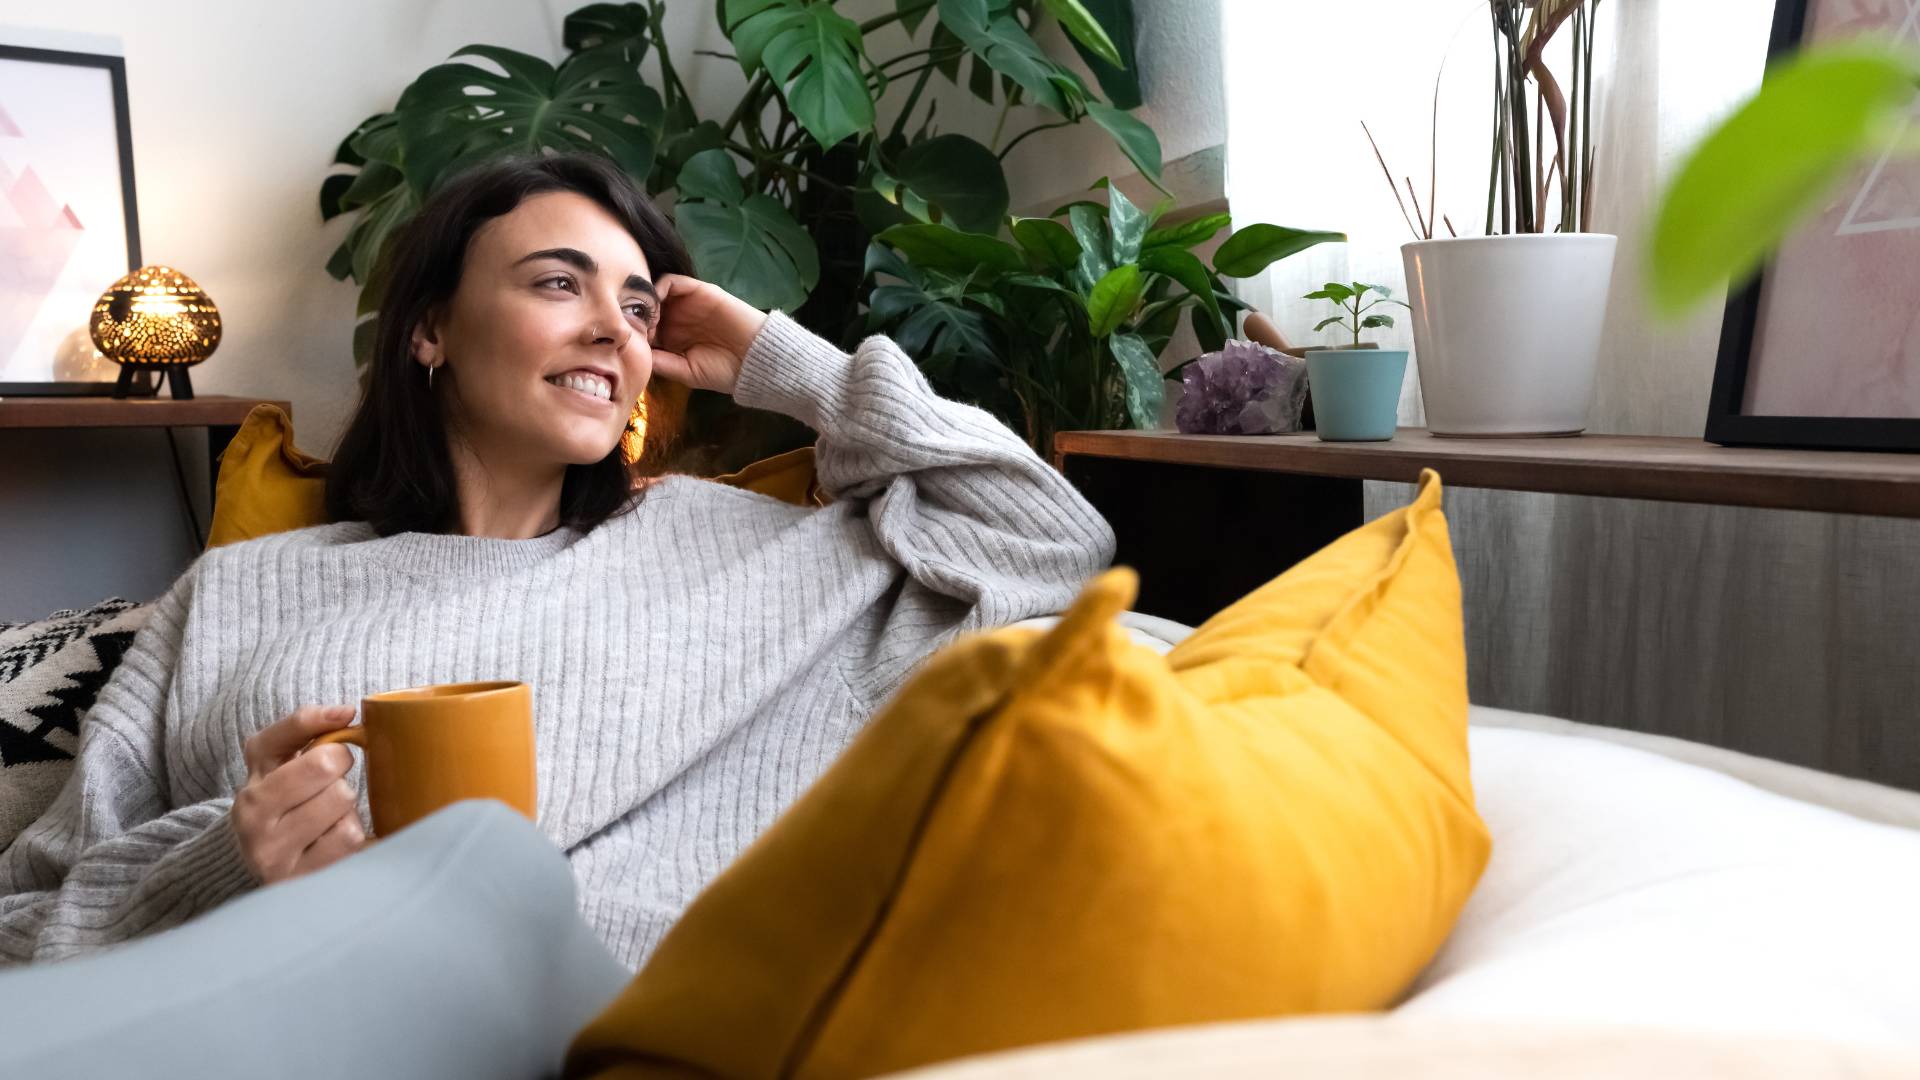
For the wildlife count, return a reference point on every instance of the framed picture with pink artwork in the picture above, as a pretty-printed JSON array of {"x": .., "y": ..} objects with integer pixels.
[
  {"x": 68, "y": 224},
  {"x": 1822, "y": 348}
]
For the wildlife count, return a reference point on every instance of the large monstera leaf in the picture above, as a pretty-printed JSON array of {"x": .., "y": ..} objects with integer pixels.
[
  {"x": 622, "y": 27},
  {"x": 990, "y": 32},
  {"x": 958, "y": 175},
  {"x": 996, "y": 39},
  {"x": 1117, "y": 70},
  {"x": 456, "y": 114},
  {"x": 815, "y": 54},
  {"x": 746, "y": 244},
  {"x": 926, "y": 319},
  {"x": 380, "y": 192}
]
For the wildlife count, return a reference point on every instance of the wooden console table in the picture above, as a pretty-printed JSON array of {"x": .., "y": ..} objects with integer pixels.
[
  {"x": 1155, "y": 486},
  {"x": 220, "y": 415},
  {"x": 1619, "y": 466},
  {"x": 1208, "y": 518}
]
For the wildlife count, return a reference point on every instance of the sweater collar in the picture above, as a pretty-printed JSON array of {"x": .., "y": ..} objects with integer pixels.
[{"x": 443, "y": 554}]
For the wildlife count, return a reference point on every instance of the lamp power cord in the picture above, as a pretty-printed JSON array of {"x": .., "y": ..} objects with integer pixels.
[{"x": 196, "y": 538}]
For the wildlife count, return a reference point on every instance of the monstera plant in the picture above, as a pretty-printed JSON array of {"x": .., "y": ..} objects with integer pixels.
[
  {"x": 1062, "y": 327},
  {"x": 777, "y": 200}
]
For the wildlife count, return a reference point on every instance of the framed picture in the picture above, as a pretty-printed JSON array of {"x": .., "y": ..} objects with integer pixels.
[
  {"x": 1822, "y": 348},
  {"x": 68, "y": 226}
]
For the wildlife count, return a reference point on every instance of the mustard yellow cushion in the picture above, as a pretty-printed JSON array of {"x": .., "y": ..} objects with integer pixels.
[
  {"x": 266, "y": 485},
  {"x": 1048, "y": 836},
  {"x": 788, "y": 477}
]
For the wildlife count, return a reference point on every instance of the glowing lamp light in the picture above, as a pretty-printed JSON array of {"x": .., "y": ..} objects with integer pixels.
[{"x": 155, "y": 320}]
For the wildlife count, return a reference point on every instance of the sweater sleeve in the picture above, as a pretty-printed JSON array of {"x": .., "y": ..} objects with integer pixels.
[
  {"x": 111, "y": 860},
  {"x": 987, "y": 532}
]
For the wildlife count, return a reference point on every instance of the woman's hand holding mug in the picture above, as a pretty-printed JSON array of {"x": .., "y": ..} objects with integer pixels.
[{"x": 297, "y": 813}]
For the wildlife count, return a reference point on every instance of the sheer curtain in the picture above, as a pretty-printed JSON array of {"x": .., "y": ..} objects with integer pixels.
[{"x": 1685, "y": 619}]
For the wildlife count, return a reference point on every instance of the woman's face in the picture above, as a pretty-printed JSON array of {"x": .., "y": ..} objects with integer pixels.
[{"x": 546, "y": 341}]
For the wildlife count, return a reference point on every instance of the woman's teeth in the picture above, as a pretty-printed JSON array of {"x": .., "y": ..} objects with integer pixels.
[{"x": 591, "y": 385}]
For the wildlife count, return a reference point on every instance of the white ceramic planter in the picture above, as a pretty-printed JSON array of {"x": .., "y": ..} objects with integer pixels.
[{"x": 1506, "y": 330}]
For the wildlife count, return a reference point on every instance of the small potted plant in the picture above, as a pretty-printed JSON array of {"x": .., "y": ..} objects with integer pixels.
[{"x": 1356, "y": 389}]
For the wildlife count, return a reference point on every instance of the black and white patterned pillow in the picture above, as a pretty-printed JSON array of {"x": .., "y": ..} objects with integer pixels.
[{"x": 50, "y": 673}]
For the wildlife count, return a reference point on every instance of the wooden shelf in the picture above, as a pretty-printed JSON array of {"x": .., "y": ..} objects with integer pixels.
[
  {"x": 1616, "y": 466},
  {"x": 205, "y": 410}
]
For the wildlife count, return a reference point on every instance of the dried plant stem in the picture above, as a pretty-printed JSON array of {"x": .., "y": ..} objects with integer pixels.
[
  {"x": 1586, "y": 193},
  {"x": 1585, "y": 198},
  {"x": 1395, "y": 188},
  {"x": 1548, "y": 100},
  {"x": 1493, "y": 158},
  {"x": 1506, "y": 17},
  {"x": 1433, "y": 152},
  {"x": 1539, "y": 162},
  {"x": 1570, "y": 184},
  {"x": 1496, "y": 185}
]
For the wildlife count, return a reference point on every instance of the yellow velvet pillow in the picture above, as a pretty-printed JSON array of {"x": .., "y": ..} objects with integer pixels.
[
  {"x": 1052, "y": 835},
  {"x": 267, "y": 486},
  {"x": 788, "y": 477}
]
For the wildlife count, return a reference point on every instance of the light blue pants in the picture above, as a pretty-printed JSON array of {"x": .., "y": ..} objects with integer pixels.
[{"x": 452, "y": 949}]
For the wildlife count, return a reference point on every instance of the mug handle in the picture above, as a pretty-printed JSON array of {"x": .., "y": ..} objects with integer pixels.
[{"x": 356, "y": 735}]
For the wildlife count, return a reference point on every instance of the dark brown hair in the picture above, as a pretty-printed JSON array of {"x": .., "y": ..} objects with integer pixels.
[{"x": 392, "y": 468}]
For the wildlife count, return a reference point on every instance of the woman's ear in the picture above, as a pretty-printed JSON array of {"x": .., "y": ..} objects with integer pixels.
[{"x": 425, "y": 344}]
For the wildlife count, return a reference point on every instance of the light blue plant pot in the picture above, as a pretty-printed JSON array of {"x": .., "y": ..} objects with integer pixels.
[{"x": 1356, "y": 392}]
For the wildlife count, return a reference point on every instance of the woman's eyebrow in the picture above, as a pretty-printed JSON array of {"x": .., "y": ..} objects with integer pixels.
[{"x": 584, "y": 263}]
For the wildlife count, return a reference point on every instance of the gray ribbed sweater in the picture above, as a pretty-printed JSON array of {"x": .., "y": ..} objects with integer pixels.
[{"x": 695, "y": 662}]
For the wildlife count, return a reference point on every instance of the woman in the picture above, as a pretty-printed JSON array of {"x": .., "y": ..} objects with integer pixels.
[{"x": 698, "y": 653}]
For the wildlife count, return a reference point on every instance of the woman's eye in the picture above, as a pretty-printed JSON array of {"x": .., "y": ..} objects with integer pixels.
[
  {"x": 564, "y": 282},
  {"x": 643, "y": 312}
]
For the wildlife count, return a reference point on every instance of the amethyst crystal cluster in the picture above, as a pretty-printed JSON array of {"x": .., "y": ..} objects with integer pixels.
[{"x": 1244, "y": 389}]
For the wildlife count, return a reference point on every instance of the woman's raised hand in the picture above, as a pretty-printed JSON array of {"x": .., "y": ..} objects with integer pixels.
[
  {"x": 703, "y": 334},
  {"x": 297, "y": 813}
]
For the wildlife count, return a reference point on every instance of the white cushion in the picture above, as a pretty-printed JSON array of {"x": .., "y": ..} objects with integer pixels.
[
  {"x": 1374, "y": 1047},
  {"x": 1629, "y": 888},
  {"x": 1860, "y": 798},
  {"x": 1156, "y": 633}
]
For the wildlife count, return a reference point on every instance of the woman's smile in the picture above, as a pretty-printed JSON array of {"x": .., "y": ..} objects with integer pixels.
[{"x": 585, "y": 386}]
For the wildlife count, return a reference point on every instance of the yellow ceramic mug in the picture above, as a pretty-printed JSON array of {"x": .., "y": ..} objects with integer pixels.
[{"x": 432, "y": 746}]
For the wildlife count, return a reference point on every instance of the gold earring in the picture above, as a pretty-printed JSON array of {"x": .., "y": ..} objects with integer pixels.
[{"x": 430, "y": 368}]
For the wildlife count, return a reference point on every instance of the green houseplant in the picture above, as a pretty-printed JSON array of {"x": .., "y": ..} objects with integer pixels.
[
  {"x": 1356, "y": 391},
  {"x": 812, "y": 174},
  {"x": 778, "y": 199},
  {"x": 1061, "y": 327},
  {"x": 1352, "y": 301}
]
